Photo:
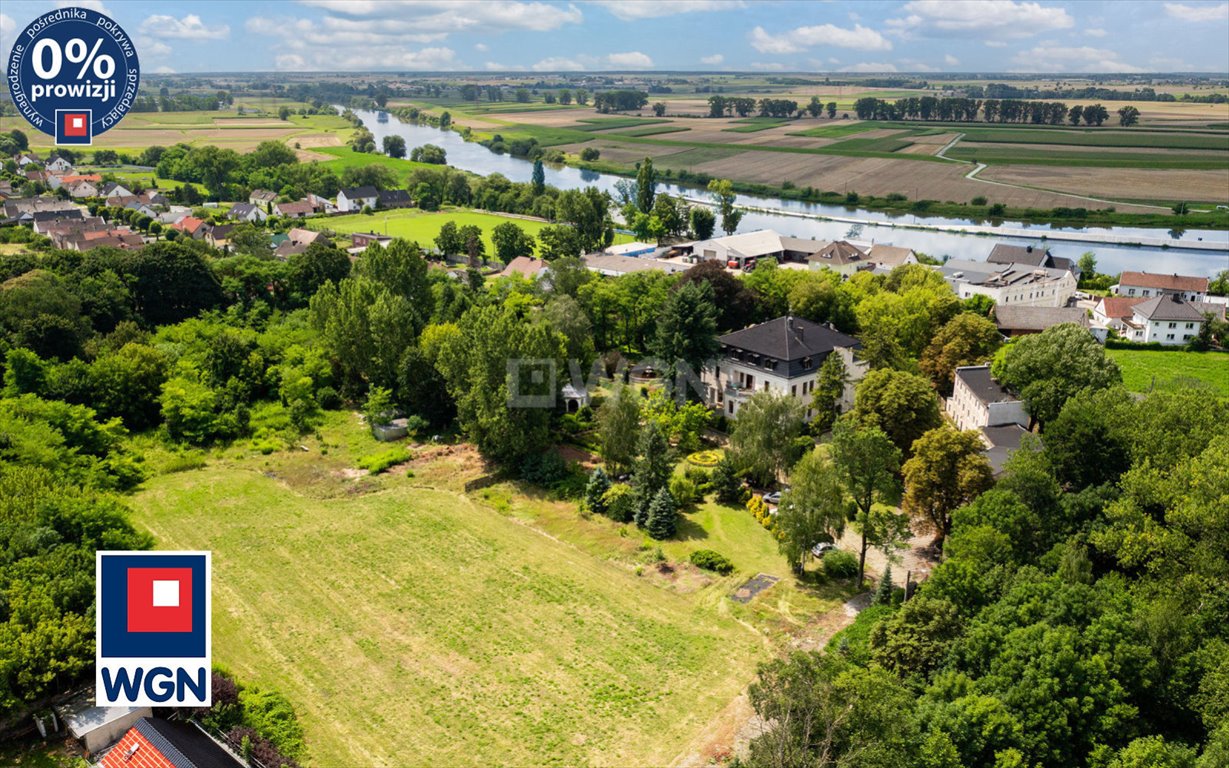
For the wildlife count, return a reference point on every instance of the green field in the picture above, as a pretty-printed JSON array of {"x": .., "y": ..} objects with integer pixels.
[
  {"x": 1088, "y": 157},
  {"x": 1142, "y": 369},
  {"x": 592, "y": 124},
  {"x": 1079, "y": 138},
  {"x": 653, "y": 130},
  {"x": 348, "y": 158},
  {"x": 754, "y": 124},
  {"x": 412, "y": 623},
  {"x": 423, "y": 226},
  {"x": 837, "y": 130}
]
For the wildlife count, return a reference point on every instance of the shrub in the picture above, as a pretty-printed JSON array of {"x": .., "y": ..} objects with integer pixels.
[
  {"x": 712, "y": 561},
  {"x": 595, "y": 491},
  {"x": 998, "y": 209},
  {"x": 378, "y": 462},
  {"x": 705, "y": 458},
  {"x": 620, "y": 502},
  {"x": 273, "y": 717},
  {"x": 839, "y": 564},
  {"x": 727, "y": 483},
  {"x": 979, "y": 200},
  {"x": 589, "y": 154},
  {"x": 684, "y": 490}
]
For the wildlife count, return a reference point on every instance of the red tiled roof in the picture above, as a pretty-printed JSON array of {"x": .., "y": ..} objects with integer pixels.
[
  {"x": 146, "y": 756},
  {"x": 1167, "y": 282},
  {"x": 1119, "y": 307}
]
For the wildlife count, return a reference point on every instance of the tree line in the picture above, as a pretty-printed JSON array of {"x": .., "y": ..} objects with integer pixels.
[{"x": 960, "y": 109}]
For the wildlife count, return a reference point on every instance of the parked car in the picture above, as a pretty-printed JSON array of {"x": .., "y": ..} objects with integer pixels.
[
  {"x": 773, "y": 498},
  {"x": 823, "y": 548}
]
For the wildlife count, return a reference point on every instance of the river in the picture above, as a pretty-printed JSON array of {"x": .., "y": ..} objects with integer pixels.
[{"x": 471, "y": 156}]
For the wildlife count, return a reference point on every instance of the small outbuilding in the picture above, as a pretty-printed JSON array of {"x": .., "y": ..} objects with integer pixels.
[{"x": 96, "y": 728}]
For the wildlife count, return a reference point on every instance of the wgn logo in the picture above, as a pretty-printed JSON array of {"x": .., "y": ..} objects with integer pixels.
[{"x": 153, "y": 629}]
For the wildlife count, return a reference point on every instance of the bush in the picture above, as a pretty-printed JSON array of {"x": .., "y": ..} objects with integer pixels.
[
  {"x": 839, "y": 564},
  {"x": 379, "y": 462},
  {"x": 684, "y": 490},
  {"x": 712, "y": 561},
  {"x": 979, "y": 200},
  {"x": 272, "y": 716},
  {"x": 589, "y": 154},
  {"x": 620, "y": 503}
]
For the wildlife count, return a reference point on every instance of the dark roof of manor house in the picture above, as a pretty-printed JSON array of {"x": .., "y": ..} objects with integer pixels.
[
  {"x": 789, "y": 338},
  {"x": 983, "y": 386}
]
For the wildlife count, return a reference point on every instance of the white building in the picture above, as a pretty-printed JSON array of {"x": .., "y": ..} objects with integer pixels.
[
  {"x": 980, "y": 403},
  {"x": 59, "y": 165},
  {"x": 742, "y": 250},
  {"x": 1147, "y": 285},
  {"x": 356, "y": 199},
  {"x": 1167, "y": 319},
  {"x": 782, "y": 355},
  {"x": 1014, "y": 284}
]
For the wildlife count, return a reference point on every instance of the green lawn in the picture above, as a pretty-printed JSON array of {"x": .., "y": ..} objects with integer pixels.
[
  {"x": 607, "y": 123},
  {"x": 1141, "y": 368},
  {"x": 348, "y": 158},
  {"x": 413, "y": 623},
  {"x": 836, "y": 130},
  {"x": 423, "y": 226}
]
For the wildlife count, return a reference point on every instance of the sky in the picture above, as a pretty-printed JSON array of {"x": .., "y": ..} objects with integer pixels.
[{"x": 921, "y": 36}]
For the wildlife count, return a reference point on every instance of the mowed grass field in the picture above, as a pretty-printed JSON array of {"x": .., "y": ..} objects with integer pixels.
[
  {"x": 1144, "y": 368},
  {"x": 424, "y": 226},
  {"x": 414, "y": 623}
]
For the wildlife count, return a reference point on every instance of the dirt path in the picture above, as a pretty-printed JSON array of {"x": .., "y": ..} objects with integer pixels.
[{"x": 731, "y": 731}]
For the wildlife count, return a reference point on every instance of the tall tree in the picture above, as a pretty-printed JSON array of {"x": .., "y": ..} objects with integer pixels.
[
  {"x": 762, "y": 441},
  {"x": 686, "y": 336},
  {"x": 703, "y": 221},
  {"x": 539, "y": 177},
  {"x": 902, "y": 404},
  {"x": 867, "y": 462},
  {"x": 511, "y": 241},
  {"x": 394, "y": 146},
  {"x": 646, "y": 186},
  {"x": 618, "y": 423},
  {"x": 947, "y": 471},
  {"x": 661, "y": 521},
  {"x": 966, "y": 339},
  {"x": 652, "y": 472},
  {"x": 811, "y": 510},
  {"x": 722, "y": 191},
  {"x": 1050, "y": 367},
  {"x": 829, "y": 390},
  {"x": 736, "y": 304}
]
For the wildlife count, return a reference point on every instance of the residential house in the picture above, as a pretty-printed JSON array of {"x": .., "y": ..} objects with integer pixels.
[
  {"x": 80, "y": 188},
  {"x": 27, "y": 158},
  {"x": 1032, "y": 255},
  {"x": 218, "y": 236},
  {"x": 42, "y": 220},
  {"x": 980, "y": 403},
  {"x": 394, "y": 198},
  {"x": 613, "y": 265},
  {"x": 322, "y": 204},
  {"x": 113, "y": 189},
  {"x": 154, "y": 197},
  {"x": 889, "y": 257},
  {"x": 1015, "y": 284},
  {"x": 262, "y": 198},
  {"x": 361, "y": 240},
  {"x": 55, "y": 182},
  {"x": 782, "y": 355},
  {"x": 294, "y": 242},
  {"x": 840, "y": 256},
  {"x": 356, "y": 199},
  {"x": 135, "y": 204},
  {"x": 1147, "y": 284},
  {"x": 1112, "y": 312},
  {"x": 1021, "y": 320},
  {"x": 191, "y": 226},
  {"x": 172, "y": 217},
  {"x": 248, "y": 212},
  {"x": 1168, "y": 319},
  {"x": 58, "y": 164},
  {"x": 296, "y": 210},
  {"x": 525, "y": 266},
  {"x": 154, "y": 743}
]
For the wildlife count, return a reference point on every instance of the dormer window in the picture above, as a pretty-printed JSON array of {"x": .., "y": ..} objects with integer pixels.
[{"x": 807, "y": 363}]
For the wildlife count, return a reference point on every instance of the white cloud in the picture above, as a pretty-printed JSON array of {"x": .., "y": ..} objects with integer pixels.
[
  {"x": 995, "y": 44},
  {"x": 190, "y": 27},
  {"x": 871, "y": 66},
  {"x": 792, "y": 41},
  {"x": 164, "y": 70},
  {"x": 1198, "y": 12},
  {"x": 713, "y": 60},
  {"x": 1052, "y": 58},
  {"x": 153, "y": 48},
  {"x": 7, "y": 25},
  {"x": 291, "y": 61},
  {"x": 768, "y": 66},
  {"x": 458, "y": 15},
  {"x": 481, "y": 47},
  {"x": 912, "y": 65},
  {"x": 557, "y": 64},
  {"x": 93, "y": 5},
  {"x": 950, "y": 60},
  {"x": 631, "y": 10},
  {"x": 979, "y": 18},
  {"x": 630, "y": 60},
  {"x": 1096, "y": 32}
]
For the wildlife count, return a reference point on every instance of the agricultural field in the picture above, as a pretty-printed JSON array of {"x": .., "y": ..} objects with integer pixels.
[
  {"x": 482, "y": 625},
  {"x": 424, "y": 226},
  {"x": 1146, "y": 369}
]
